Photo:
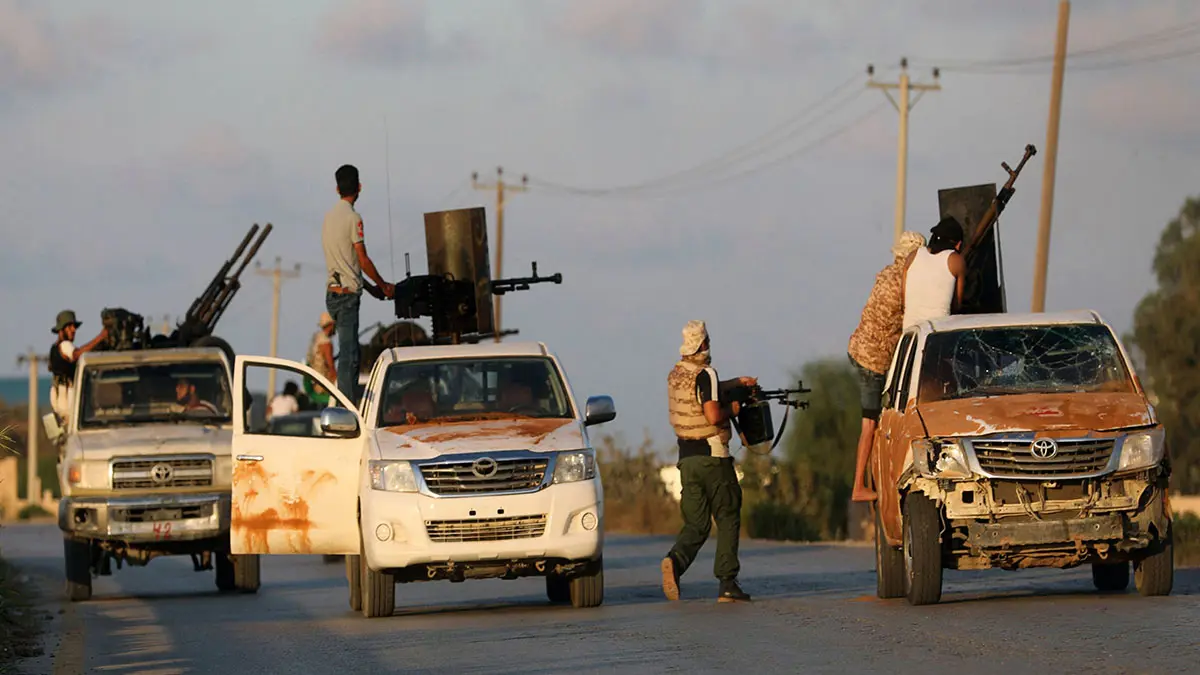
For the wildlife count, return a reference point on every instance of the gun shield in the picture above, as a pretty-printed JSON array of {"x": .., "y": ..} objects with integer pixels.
[{"x": 457, "y": 247}]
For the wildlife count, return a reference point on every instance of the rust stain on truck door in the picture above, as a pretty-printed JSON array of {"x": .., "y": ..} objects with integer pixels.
[{"x": 268, "y": 512}]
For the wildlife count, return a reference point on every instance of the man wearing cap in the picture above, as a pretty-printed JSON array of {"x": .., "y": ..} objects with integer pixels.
[
  {"x": 934, "y": 275},
  {"x": 63, "y": 356},
  {"x": 346, "y": 261},
  {"x": 871, "y": 347},
  {"x": 320, "y": 359},
  {"x": 700, "y": 411}
]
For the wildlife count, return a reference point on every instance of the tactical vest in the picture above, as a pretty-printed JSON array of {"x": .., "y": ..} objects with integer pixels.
[
  {"x": 61, "y": 369},
  {"x": 686, "y": 413}
]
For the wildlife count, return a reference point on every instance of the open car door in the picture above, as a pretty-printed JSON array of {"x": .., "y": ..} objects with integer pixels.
[{"x": 294, "y": 493}]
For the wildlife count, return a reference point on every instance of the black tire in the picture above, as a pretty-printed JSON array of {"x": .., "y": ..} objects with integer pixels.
[
  {"x": 587, "y": 590},
  {"x": 378, "y": 590},
  {"x": 1110, "y": 577},
  {"x": 354, "y": 578},
  {"x": 246, "y": 573},
  {"x": 77, "y": 556},
  {"x": 889, "y": 564},
  {"x": 1154, "y": 575},
  {"x": 558, "y": 589},
  {"x": 330, "y": 559},
  {"x": 922, "y": 550},
  {"x": 226, "y": 577}
]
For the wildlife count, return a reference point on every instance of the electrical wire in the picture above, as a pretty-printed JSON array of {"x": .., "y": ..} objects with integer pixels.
[{"x": 764, "y": 143}]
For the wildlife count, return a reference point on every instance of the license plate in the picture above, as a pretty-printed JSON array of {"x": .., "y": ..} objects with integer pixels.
[{"x": 163, "y": 530}]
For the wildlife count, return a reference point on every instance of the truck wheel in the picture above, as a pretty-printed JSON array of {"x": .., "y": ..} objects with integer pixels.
[
  {"x": 922, "y": 550},
  {"x": 77, "y": 554},
  {"x": 889, "y": 564},
  {"x": 354, "y": 577},
  {"x": 378, "y": 590},
  {"x": 1110, "y": 577},
  {"x": 558, "y": 588},
  {"x": 330, "y": 559},
  {"x": 587, "y": 590},
  {"x": 1155, "y": 574},
  {"x": 246, "y": 573},
  {"x": 226, "y": 578}
]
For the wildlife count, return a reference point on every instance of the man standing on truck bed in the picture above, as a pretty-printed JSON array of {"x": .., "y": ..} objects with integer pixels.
[
  {"x": 696, "y": 401},
  {"x": 346, "y": 261},
  {"x": 934, "y": 275},
  {"x": 61, "y": 362},
  {"x": 871, "y": 347}
]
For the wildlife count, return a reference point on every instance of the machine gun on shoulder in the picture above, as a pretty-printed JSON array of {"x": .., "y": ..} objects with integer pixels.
[
  {"x": 127, "y": 330},
  {"x": 458, "y": 292},
  {"x": 753, "y": 421}
]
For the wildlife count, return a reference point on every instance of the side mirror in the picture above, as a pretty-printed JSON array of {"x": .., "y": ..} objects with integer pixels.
[
  {"x": 599, "y": 409},
  {"x": 53, "y": 430},
  {"x": 338, "y": 422}
]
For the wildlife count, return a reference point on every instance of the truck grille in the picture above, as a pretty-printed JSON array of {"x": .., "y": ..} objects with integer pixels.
[
  {"x": 153, "y": 514},
  {"x": 162, "y": 472},
  {"x": 1014, "y": 459},
  {"x": 485, "y": 529},
  {"x": 458, "y": 478}
]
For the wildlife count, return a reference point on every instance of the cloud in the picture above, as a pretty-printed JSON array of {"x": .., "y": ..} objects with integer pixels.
[
  {"x": 653, "y": 28},
  {"x": 39, "y": 54},
  {"x": 384, "y": 33}
]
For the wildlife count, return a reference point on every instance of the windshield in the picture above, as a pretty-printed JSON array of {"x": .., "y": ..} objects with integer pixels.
[
  {"x": 472, "y": 389},
  {"x": 154, "y": 392},
  {"x": 1022, "y": 360}
]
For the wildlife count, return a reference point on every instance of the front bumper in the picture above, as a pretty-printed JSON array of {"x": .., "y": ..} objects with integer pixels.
[
  {"x": 560, "y": 522},
  {"x": 147, "y": 518}
]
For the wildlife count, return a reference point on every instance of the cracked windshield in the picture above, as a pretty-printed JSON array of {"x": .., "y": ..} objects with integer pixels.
[
  {"x": 463, "y": 389},
  {"x": 1025, "y": 360},
  {"x": 155, "y": 393}
]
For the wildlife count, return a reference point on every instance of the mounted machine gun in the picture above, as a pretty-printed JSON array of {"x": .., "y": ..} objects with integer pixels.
[
  {"x": 127, "y": 330},
  {"x": 458, "y": 292}
]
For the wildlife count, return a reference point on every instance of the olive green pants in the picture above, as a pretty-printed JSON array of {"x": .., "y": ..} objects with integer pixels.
[{"x": 710, "y": 491}]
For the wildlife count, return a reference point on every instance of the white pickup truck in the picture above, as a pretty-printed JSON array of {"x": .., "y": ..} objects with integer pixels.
[
  {"x": 144, "y": 465},
  {"x": 463, "y": 462}
]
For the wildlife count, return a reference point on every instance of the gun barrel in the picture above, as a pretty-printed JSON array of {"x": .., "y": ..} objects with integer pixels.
[
  {"x": 231, "y": 285},
  {"x": 214, "y": 286}
]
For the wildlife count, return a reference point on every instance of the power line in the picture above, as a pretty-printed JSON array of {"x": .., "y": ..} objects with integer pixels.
[{"x": 762, "y": 144}]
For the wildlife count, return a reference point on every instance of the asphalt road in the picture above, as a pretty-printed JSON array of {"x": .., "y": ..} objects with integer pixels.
[{"x": 814, "y": 611}]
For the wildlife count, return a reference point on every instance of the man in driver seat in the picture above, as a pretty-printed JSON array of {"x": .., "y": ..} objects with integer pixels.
[
  {"x": 518, "y": 392},
  {"x": 185, "y": 396}
]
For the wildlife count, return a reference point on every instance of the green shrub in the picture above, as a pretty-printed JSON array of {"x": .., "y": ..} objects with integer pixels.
[
  {"x": 33, "y": 511},
  {"x": 1186, "y": 534}
]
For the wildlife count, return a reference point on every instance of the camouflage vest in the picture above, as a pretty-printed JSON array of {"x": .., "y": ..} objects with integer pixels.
[{"x": 686, "y": 413}]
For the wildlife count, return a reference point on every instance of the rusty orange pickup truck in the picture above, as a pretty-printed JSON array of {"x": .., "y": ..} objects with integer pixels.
[{"x": 1015, "y": 441}]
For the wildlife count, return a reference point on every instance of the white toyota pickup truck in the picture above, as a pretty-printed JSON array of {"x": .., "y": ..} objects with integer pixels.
[{"x": 463, "y": 462}]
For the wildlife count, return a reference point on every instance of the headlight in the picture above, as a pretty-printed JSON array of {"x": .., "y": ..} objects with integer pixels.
[
  {"x": 944, "y": 459},
  {"x": 392, "y": 476},
  {"x": 575, "y": 466},
  {"x": 1141, "y": 450}
]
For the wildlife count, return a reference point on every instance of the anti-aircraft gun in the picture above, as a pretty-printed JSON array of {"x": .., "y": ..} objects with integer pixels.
[
  {"x": 127, "y": 330},
  {"x": 458, "y": 291}
]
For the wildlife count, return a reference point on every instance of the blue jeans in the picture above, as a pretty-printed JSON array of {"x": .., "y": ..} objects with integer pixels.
[{"x": 343, "y": 307}]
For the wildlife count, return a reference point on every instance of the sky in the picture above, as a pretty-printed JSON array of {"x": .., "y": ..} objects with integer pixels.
[{"x": 144, "y": 138}]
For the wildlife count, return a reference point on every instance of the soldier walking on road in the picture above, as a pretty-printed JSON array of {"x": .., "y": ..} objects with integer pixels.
[
  {"x": 346, "y": 260},
  {"x": 700, "y": 411}
]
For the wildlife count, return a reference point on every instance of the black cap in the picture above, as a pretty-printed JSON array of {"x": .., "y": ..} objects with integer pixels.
[{"x": 948, "y": 229}]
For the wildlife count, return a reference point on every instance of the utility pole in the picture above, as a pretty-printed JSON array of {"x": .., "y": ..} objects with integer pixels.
[
  {"x": 501, "y": 187},
  {"x": 277, "y": 274},
  {"x": 33, "y": 486},
  {"x": 903, "y": 106},
  {"x": 166, "y": 324},
  {"x": 1042, "y": 258}
]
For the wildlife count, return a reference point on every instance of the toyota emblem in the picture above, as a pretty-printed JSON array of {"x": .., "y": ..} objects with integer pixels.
[
  {"x": 1044, "y": 448},
  {"x": 160, "y": 473},
  {"x": 484, "y": 467}
]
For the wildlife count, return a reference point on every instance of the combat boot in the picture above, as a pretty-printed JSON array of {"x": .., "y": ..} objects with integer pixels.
[{"x": 731, "y": 592}]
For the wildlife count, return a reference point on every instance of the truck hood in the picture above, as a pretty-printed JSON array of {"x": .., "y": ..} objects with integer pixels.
[
  {"x": 155, "y": 439},
  {"x": 426, "y": 441},
  {"x": 1035, "y": 412}
]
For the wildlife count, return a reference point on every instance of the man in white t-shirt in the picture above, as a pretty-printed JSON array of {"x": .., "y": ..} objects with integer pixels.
[
  {"x": 285, "y": 403},
  {"x": 63, "y": 356}
]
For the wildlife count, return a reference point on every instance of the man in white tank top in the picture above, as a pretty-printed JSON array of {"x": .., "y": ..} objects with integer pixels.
[{"x": 934, "y": 275}]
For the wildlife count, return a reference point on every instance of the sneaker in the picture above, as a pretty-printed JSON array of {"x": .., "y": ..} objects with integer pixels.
[
  {"x": 670, "y": 579},
  {"x": 731, "y": 592}
]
